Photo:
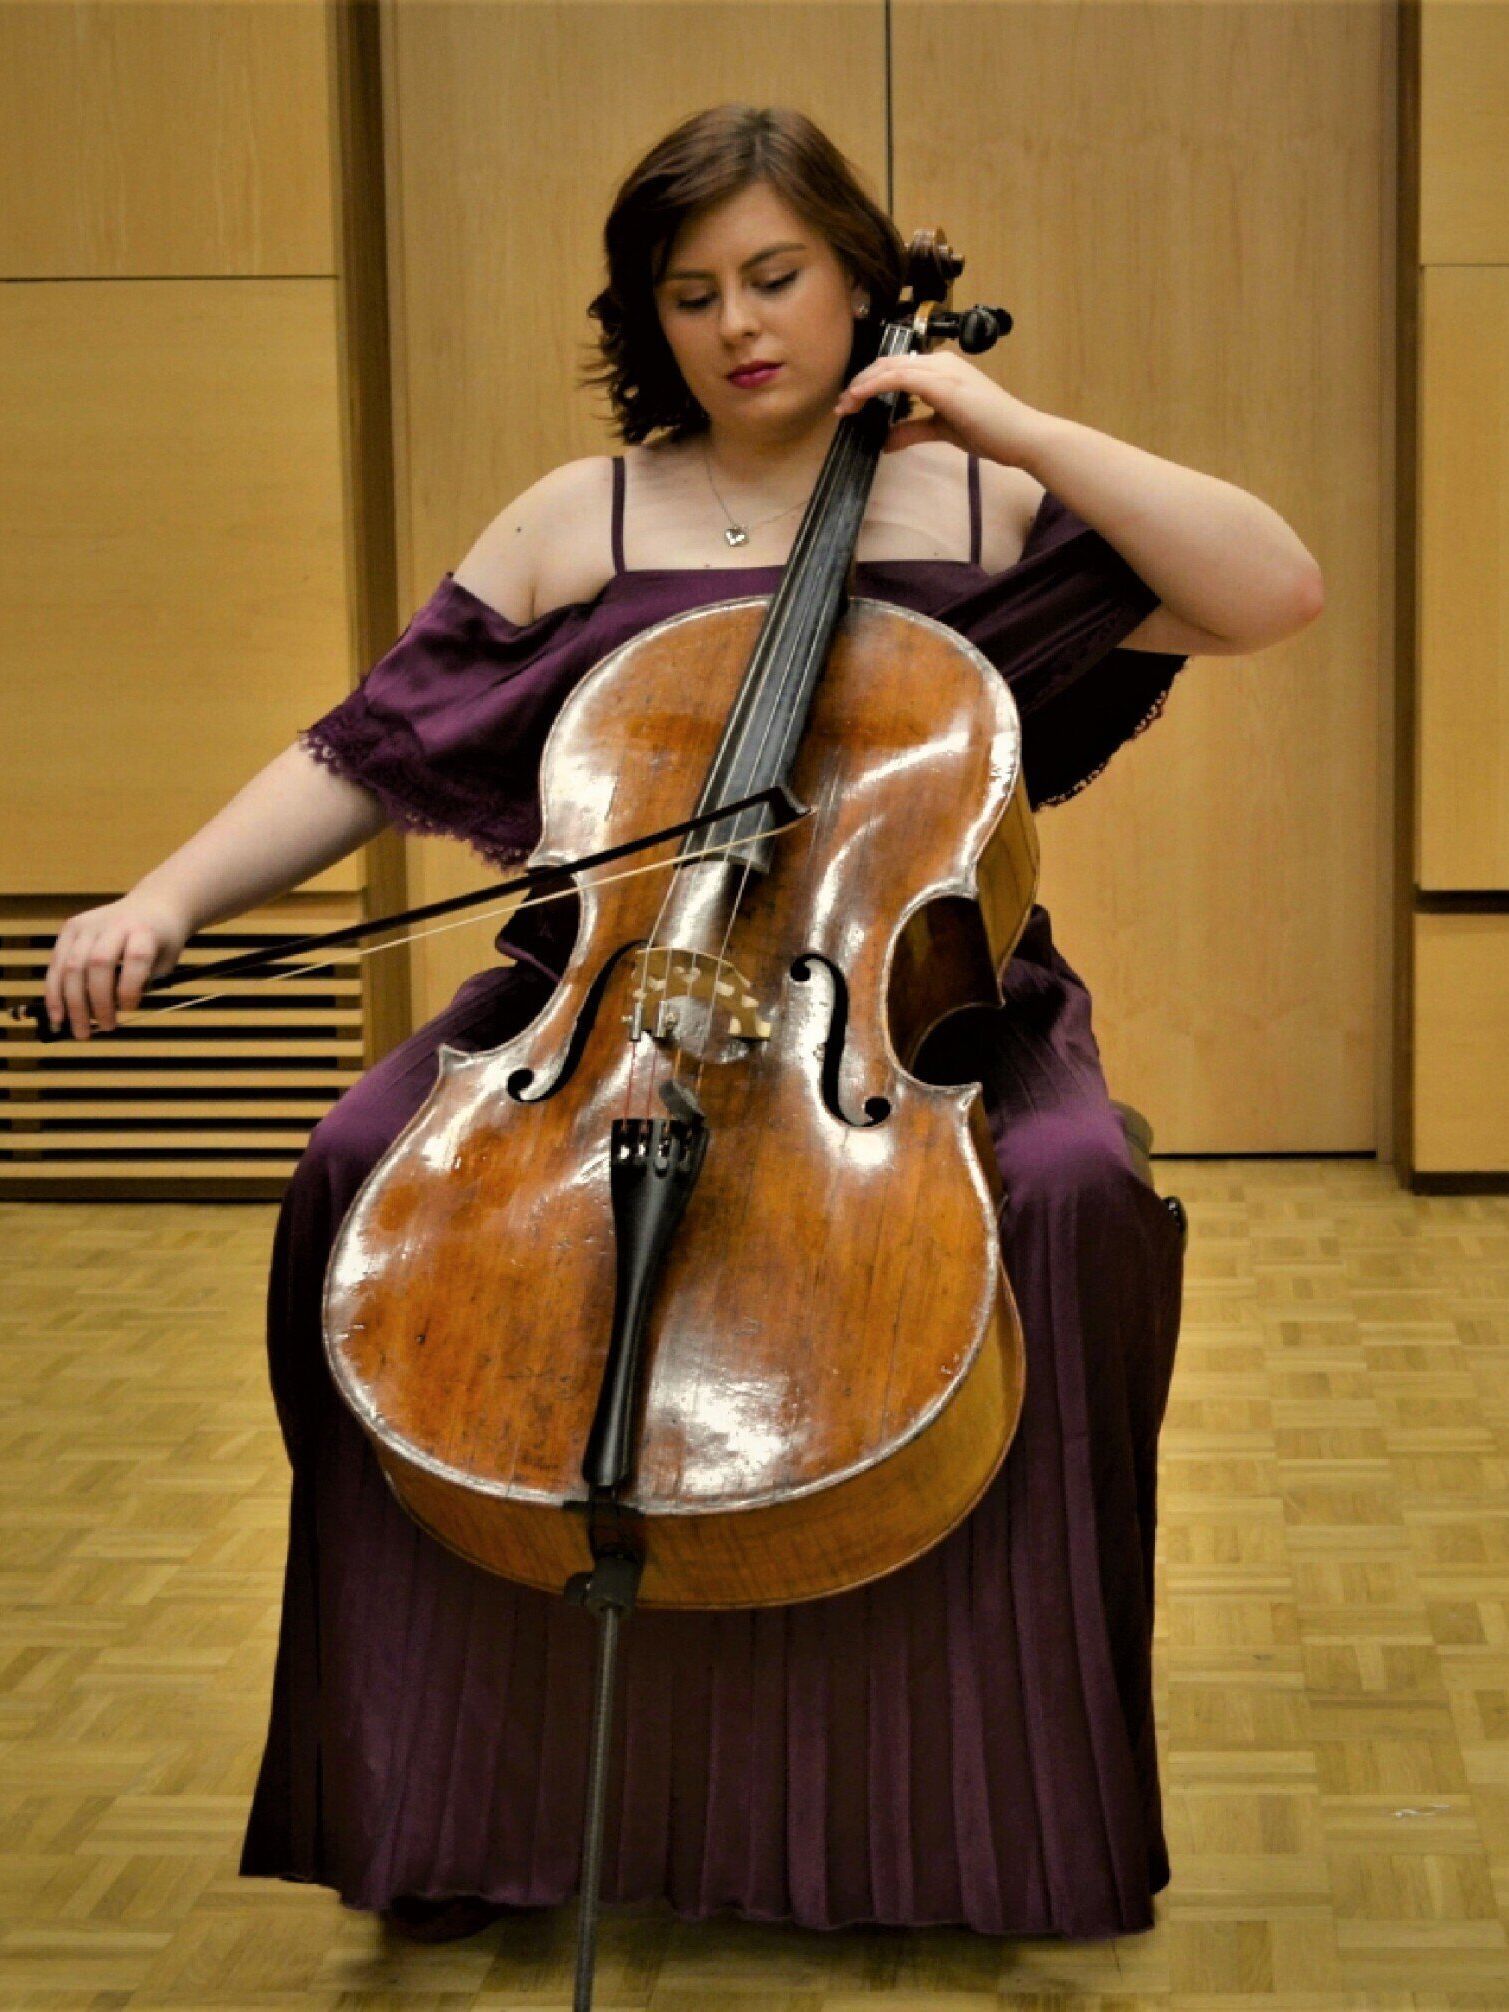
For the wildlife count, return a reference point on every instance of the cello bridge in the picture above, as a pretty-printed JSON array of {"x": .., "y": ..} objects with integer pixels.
[{"x": 695, "y": 1001}]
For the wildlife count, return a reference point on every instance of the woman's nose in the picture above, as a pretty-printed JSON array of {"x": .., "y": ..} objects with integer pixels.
[{"x": 738, "y": 317}]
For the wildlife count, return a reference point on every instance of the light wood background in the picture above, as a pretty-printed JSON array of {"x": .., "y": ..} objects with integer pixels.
[
  {"x": 1454, "y": 255},
  {"x": 1187, "y": 209},
  {"x": 175, "y": 585}
]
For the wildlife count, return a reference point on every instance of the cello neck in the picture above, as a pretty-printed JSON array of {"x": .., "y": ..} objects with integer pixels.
[{"x": 770, "y": 712}]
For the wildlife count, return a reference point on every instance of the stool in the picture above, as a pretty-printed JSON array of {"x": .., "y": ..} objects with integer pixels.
[{"x": 1139, "y": 1138}]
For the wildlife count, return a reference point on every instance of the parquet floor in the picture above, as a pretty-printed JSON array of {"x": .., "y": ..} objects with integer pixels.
[{"x": 1332, "y": 1670}]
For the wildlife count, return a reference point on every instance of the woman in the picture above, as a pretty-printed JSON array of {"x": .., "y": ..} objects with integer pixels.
[{"x": 969, "y": 1740}]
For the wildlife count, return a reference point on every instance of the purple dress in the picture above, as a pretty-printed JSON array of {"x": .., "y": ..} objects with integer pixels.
[{"x": 967, "y": 1741}]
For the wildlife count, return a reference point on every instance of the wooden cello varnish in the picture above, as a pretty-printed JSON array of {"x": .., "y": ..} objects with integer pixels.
[{"x": 819, "y": 1368}]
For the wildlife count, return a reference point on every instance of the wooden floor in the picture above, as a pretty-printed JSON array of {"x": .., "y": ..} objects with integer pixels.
[{"x": 1332, "y": 1664}]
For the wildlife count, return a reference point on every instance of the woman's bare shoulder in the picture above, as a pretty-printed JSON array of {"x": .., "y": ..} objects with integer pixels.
[
  {"x": 923, "y": 489},
  {"x": 1009, "y": 500},
  {"x": 550, "y": 546}
]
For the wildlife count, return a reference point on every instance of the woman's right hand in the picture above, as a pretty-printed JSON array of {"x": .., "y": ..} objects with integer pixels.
[{"x": 104, "y": 956}]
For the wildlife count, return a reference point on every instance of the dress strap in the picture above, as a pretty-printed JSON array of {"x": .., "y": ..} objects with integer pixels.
[
  {"x": 974, "y": 509},
  {"x": 618, "y": 513}
]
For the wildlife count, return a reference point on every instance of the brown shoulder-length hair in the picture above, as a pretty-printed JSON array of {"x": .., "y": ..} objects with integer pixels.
[{"x": 706, "y": 158}]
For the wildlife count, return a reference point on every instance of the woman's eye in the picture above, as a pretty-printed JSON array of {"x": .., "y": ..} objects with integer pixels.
[{"x": 771, "y": 286}]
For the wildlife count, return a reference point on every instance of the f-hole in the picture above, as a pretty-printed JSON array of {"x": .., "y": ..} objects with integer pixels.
[
  {"x": 521, "y": 1079},
  {"x": 876, "y": 1108}
]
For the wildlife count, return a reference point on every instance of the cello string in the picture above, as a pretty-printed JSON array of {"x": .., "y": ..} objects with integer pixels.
[
  {"x": 849, "y": 449},
  {"x": 827, "y": 478},
  {"x": 738, "y": 899},
  {"x": 850, "y": 452},
  {"x": 733, "y": 909}
]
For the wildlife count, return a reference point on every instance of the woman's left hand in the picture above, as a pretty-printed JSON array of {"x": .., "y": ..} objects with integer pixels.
[{"x": 969, "y": 409}]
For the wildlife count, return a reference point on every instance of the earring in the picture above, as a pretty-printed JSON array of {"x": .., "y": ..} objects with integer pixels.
[{"x": 862, "y": 310}]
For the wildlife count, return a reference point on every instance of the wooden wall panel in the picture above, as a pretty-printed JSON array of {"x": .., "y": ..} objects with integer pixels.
[
  {"x": 1461, "y": 1042},
  {"x": 181, "y": 141},
  {"x": 1464, "y": 133},
  {"x": 174, "y": 571},
  {"x": 1453, "y": 603},
  {"x": 173, "y": 586},
  {"x": 1463, "y": 642},
  {"x": 180, "y": 581},
  {"x": 1184, "y": 209},
  {"x": 509, "y": 128}
]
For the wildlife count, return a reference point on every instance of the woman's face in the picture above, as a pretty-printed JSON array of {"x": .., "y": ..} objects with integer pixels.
[{"x": 747, "y": 281}]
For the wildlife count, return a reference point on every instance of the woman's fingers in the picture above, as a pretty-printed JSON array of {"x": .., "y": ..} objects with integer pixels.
[
  {"x": 75, "y": 999},
  {"x": 100, "y": 970},
  {"x": 136, "y": 967},
  {"x": 103, "y": 958},
  {"x": 52, "y": 984}
]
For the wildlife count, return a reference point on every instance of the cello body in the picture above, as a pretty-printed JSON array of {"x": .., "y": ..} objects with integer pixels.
[{"x": 832, "y": 1365}]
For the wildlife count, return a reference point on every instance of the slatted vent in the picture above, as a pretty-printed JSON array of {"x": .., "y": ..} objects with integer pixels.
[{"x": 217, "y": 1099}]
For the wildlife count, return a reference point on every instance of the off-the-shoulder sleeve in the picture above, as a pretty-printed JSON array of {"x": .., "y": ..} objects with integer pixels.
[
  {"x": 1052, "y": 624},
  {"x": 447, "y": 728}
]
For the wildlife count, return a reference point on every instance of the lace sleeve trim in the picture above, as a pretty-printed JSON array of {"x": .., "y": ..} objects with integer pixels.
[{"x": 354, "y": 749}]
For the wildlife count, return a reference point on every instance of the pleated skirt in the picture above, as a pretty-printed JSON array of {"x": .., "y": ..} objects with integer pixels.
[{"x": 968, "y": 1741}]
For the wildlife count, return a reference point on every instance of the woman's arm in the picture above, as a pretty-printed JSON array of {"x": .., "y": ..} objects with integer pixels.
[
  {"x": 1233, "y": 576},
  {"x": 1226, "y": 566},
  {"x": 292, "y": 819}
]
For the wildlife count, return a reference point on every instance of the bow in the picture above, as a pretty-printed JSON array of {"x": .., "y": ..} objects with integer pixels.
[{"x": 539, "y": 883}]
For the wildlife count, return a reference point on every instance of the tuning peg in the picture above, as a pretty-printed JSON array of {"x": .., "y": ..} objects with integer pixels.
[{"x": 976, "y": 329}]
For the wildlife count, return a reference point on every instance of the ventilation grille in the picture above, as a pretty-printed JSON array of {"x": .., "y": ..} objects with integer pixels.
[{"x": 214, "y": 1098}]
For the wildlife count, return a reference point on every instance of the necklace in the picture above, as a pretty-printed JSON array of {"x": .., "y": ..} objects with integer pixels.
[{"x": 738, "y": 534}]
